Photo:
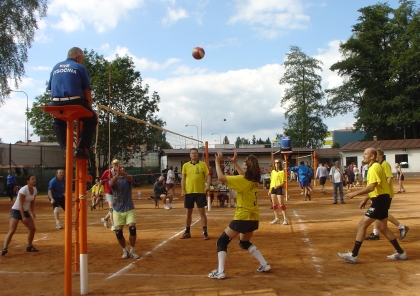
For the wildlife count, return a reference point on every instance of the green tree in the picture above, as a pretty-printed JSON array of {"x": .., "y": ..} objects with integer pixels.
[
  {"x": 116, "y": 85},
  {"x": 303, "y": 99},
  {"x": 17, "y": 29},
  {"x": 380, "y": 70},
  {"x": 254, "y": 140},
  {"x": 225, "y": 140},
  {"x": 239, "y": 141}
]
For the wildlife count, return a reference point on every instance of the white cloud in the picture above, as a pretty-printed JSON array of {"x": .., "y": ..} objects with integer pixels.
[
  {"x": 271, "y": 16},
  {"x": 330, "y": 56},
  {"x": 103, "y": 14},
  {"x": 173, "y": 16},
  {"x": 42, "y": 68}
]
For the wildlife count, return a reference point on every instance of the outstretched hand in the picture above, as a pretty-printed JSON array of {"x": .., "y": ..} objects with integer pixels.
[
  {"x": 218, "y": 156},
  {"x": 233, "y": 159}
]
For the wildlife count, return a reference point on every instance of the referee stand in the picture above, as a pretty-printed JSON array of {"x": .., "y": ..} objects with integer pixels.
[{"x": 70, "y": 113}]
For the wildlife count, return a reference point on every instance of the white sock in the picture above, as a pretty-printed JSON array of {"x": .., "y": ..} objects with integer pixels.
[
  {"x": 375, "y": 231},
  {"x": 222, "y": 259},
  {"x": 401, "y": 226},
  {"x": 257, "y": 254}
]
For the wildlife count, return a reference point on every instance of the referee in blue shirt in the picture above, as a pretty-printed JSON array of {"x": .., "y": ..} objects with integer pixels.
[{"x": 70, "y": 85}]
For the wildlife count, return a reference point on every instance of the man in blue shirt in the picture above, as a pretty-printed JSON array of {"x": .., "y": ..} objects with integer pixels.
[
  {"x": 304, "y": 175},
  {"x": 10, "y": 184},
  {"x": 56, "y": 195},
  {"x": 285, "y": 142},
  {"x": 70, "y": 85}
]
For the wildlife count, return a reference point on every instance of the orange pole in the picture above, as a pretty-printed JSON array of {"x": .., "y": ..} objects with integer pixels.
[
  {"x": 82, "y": 179},
  {"x": 68, "y": 213},
  {"x": 76, "y": 220}
]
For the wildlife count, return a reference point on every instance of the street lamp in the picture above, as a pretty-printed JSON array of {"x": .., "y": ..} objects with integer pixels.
[
  {"x": 198, "y": 142},
  {"x": 220, "y": 137},
  {"x": 27, "y": 110}
]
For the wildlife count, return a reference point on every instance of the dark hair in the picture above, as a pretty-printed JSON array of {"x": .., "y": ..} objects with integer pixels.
[
  {"x": 29, "y": 177},
  {"x": 253, "y": 171},
  {"x": 196, "y": 149},
  {"x": 302, "y": 163},
  {"x": 278, "y": 161}
]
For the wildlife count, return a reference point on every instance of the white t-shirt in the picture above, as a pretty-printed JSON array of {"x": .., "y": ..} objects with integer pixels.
[
  {"x": 335, "y": 174},
  {"x": 169, "y": 177},
  {"x": 355, "y": 170},
  {"x": 28, "y": 198}
]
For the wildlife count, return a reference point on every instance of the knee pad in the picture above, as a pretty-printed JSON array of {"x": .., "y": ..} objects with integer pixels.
[
  {"x": 222, "y": 242},
  {"x": 111, "y": 210},
  {"x": 119, "y": 234},
  {"x": 245, "y": 244},
  {"x": 55, "y": 209},
  {"x": 132, "y": 230},
  {"x": 283, "y": 207},
  {"x": 275, "y": 207}
]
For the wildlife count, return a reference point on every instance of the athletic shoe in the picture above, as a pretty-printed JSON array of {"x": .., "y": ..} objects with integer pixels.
[
  {"x": 265, "y": 267},
  {"x": 301, "y": 193},
  {"x": 134, "y": 255},
  {"x": 398, "y": 256},
  {"x": 403, "y": 232},
  {"x": 170, "y": 206},
  {"x": 186, "y": 235},
  {"x": 112, "y": 228},
  {"x": 105, "y": 220},
  {"x": 205, "y": 236},
  {"x": 31, "y": 249},
  {"x": 343, "y": 202},
  {"x": 58, "y": 225},
  {"x": 348, "y": 257},
  {"x": 215, "y": 274},
  {"x": 91, "y": 207},
  {"x": 125, "y": 254},
  {"x": 4, "y": 251},
  {"x": 334, "y": 203},
  {"x": 166, "y": 207},
  {"x": 285, "y": 222},
  {"x": 175, "y": 198},
  {"x": 372, "y": 236},
  {"x": 275, "y": 221},
  {"x": 309, "y": 196}
]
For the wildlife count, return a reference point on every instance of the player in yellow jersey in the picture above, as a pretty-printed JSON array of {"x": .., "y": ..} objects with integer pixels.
[
  {"x": 247, "y": 214},
  {"x": 277, "y": 181},
  {"x": 195, "y": 181},
  {"x": 96, "y": 194},
  {"x": 378, "y": 192},
  {"x": 388, "y": 173}
]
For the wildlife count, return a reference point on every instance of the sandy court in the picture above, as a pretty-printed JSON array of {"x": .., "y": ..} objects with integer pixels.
[{"x": 303, "y": 255}]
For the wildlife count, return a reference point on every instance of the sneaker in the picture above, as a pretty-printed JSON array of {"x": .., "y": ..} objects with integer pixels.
[
  {"x": 309, "y": 196},
  {"x": 398, "y": 256},
  {"x": 348, "y": 257},
  {"x": 205, "y": 236},
  {"x": 166, "y": 207},
  {"x": 170, "y": 206},
  {"x": 301, "y": 193},
  {"x": 372, "y": 236},
  {"x": 125, "y": 254},
  {"x": 105, "y": 221},
  {"x": 215, "y": 274},
  {"x": 343, "y": 202},
  {"x": 58, "y": 225},
  {"x": 403, "y": 232},
  {"x": 334, "y": 203},
  {"x": 285, "y": 222},
  {"x": 186, "y": 235},
  {"x": 262, "y": 268},
  {"x": 112, "y": 228},
  {"x": 91, "y": 207},
  {"x": 275, "y": 221},
  {"x": 175, "y": 198},
  {"x": 4, "y": 251},
  {"x": 134, "y": 255},
  {"x": 31, "y": 249}
]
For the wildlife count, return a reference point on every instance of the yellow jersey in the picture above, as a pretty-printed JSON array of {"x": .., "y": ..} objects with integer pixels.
[
  {"x": 388, "y": 174},
  {"x": 277, "y": 177},
  {"x": 95, "y": 188},
  {"x": 246, "y": 198},
  {"x": 195, "y": 177},
  {"x": 376, "y": 174}
]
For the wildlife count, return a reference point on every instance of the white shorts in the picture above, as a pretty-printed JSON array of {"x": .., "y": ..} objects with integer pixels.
[{"x": 108, "y": 197}]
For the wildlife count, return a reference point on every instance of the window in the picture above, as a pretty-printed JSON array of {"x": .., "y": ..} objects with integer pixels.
[
  {"x": 402, "y": 159},
  {"x": 350, "y": 160}
]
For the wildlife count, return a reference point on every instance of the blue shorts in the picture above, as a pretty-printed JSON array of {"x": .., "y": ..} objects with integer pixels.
[{"x": 304, "y": 183}]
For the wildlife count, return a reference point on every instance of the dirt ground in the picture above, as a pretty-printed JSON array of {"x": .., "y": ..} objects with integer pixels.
[{"x": 303, "y": 255}]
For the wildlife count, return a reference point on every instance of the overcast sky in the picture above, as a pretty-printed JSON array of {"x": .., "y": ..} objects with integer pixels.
[{"x": 245, "y": 41}]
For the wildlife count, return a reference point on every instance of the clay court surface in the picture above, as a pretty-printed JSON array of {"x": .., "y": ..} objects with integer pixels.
[{"x": 303, "y": 255}]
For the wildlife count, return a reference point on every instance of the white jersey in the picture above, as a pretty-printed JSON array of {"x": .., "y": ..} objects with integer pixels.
[
  {"x": 169, "y": 177},
  {"x": 28, "y": 198}
]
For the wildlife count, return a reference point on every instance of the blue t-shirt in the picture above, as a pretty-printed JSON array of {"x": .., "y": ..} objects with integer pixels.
[
  {"x": 68, "y": 79},
  {"x": 11, "y": 180},
  {"x": 286, "y": 142},
  {"x": 304, "y": 172},
  {"x": 57, "y": 187},
  {"x": 121, "y": 194}
]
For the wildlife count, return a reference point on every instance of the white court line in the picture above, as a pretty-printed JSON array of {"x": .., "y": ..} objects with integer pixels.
[
  {"x": 308, "y": 241},
  {"x": 35, "y": 240},
  {"x": 147, "y": 253}
]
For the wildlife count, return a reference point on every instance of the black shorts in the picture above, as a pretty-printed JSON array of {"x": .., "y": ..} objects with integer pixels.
[
  {"x": 244, "y": 226},
  {"x": 322, "y": 180},
  {"x": 16, "y": 214},
  {"x": 199, "y": 198},
  {"x": 278, "y": 191},
  {"x": 379, "y": 207},
  {"x": 59, "y": 201},
  {"x": 402, "y": 178}
]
